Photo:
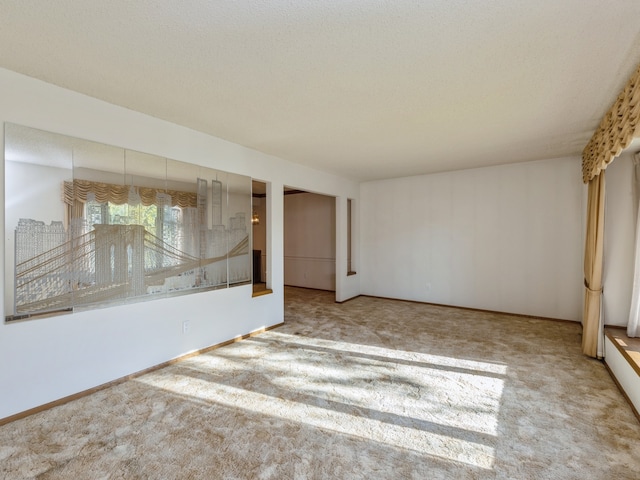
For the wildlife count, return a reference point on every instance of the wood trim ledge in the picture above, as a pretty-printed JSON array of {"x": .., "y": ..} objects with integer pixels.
[
  {"x": 266, "y": 291},
  {"x": 630, "y": 354}
]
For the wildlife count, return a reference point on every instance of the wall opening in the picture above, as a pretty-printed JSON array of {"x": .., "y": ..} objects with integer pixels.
[
  {"x": 259, "y": 223},
  {"x": 351, "y": 268},
  {"x": 309, "y": 240}
]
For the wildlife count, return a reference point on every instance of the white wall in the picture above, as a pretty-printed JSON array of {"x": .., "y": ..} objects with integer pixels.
[
  {"x": 43, "y": 360},
  {"x": 310, "y": 241},
  {"x": 619, "y": 235},
  {"x": 506, "y": 238}
]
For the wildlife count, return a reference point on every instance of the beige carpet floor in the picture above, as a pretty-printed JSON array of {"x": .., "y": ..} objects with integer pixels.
[{"x": 371, "y": 389}]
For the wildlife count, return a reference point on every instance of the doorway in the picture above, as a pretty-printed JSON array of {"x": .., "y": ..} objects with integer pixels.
[{"x": 309, "y": 240}]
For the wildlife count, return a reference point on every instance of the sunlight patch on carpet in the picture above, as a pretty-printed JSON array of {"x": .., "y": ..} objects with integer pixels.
[
  {"x": 436, "y": 445},
  {"x": 391, "y": 354},
  {"x": 443, "y": 407}
]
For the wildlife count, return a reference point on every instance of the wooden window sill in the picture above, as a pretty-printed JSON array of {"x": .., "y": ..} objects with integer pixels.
[
  {"x": 628, "y": 347},
  {"x": 260, "y": 289}
]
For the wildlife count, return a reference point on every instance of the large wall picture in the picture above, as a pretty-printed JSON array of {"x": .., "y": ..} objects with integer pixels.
[{"x": 88, "y": 224}]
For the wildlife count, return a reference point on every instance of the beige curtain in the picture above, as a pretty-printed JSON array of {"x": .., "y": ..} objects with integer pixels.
[
  {"x": 593, "y": 256},
  {"x": 617, "y": 129},
  {"x": 75, "y": 209}
]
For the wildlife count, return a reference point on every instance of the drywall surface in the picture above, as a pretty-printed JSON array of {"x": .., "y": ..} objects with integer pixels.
[
  {"x": 42, "y": 360},
  {"x": 506, "y": 238},
  {"x": 309, "y": 241}
]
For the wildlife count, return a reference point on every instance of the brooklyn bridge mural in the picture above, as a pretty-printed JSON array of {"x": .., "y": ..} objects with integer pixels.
[{"x": 143, "y": 238}]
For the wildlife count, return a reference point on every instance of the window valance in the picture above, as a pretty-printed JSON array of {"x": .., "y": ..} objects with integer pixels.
[
  {"x": 617, "y": 129},
  {"x": 78, "y": 191}
]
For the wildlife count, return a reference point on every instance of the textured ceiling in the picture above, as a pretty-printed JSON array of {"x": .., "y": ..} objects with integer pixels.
[{"x": 364, "y": 89}]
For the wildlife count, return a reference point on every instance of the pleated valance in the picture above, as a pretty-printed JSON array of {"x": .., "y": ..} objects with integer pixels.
[
  {"x": 617, "y": 129},
  {"x": 78, "y": 190}
]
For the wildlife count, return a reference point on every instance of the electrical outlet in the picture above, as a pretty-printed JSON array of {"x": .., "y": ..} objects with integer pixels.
[
  {"x": 186, "y": 326},
  {"x": 428, "y": 287}
]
